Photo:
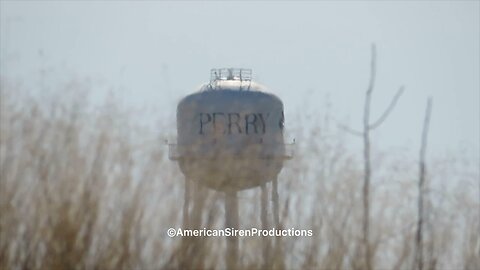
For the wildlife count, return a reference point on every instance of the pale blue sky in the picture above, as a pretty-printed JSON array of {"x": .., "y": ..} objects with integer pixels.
[{"x": 153, "y": 53}]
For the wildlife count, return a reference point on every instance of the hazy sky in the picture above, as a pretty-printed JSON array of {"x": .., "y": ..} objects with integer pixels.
[{"x": 153, "y": 53}]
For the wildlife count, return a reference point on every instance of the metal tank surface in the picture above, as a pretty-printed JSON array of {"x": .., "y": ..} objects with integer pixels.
[
  {"x": 230, "y": 133},
  {"x": 230, "y": 138}
]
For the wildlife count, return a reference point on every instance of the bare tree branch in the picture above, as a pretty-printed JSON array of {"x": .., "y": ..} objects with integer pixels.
[
  {"x": 346, "y": 128},
  {"x": 367, "y": 127},
  {"x": 350, "y": 130},
  {"x": 389, "y": 109},
  {"x": 373, "y": 70},
  {"x": 367, "y": 165},
  {"x": 421, "y": 187}
]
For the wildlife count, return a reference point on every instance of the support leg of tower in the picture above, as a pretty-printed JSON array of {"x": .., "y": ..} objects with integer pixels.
[
  {"x": 276, "y": 216},
  {"x": 186, "y": 241},
  {"x": 231, "y": 221},
  {"x": 186, "y": 204},
  {"x": 193, "y": 245},
  {"x": 264, "y": 218}
]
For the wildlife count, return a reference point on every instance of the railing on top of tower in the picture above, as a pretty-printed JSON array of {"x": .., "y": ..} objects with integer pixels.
[{"x": 226, "y": 74}]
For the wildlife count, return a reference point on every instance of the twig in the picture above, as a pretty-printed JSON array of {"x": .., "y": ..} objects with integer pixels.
[
  {"x": 367, "y": 165},
  {"x": 389, "y": 109},
  {"x": 347, "y": 128},
  {"x": 350, "y": 130},
  {"x": 421, "y": 188},
  {"x": 367, "y": 127}
]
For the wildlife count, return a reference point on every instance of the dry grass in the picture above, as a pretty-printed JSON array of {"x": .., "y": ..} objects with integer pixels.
[{"x": 82, "y": 189}]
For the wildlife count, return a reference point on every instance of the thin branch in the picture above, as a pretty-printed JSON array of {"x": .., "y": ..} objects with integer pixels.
[
  {"x": 421, "y": 187},
  {"x": 367, "y": 165},
  {"x": 389, "y": 109},
  {"x": 373, "y": 70},
  {"x": 425, "y": 130},
  {"x": 349, "y": 130}
]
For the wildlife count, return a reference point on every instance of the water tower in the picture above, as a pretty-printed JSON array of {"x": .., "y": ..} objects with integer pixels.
[{"x": 230, "y": 138}]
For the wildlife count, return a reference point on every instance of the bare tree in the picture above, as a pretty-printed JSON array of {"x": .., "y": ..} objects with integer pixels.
[
  {"x": 365, "y": 133},
  {"x": 421, "y": 188}
]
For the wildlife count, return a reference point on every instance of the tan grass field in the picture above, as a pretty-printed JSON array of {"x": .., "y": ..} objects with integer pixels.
[{"x": 83, "y": 189}]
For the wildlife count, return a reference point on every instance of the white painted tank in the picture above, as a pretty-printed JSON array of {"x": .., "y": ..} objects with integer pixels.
[{"x": 230, "y": 133}]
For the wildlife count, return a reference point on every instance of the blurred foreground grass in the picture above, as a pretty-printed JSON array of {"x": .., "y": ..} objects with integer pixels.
[{"x": 91, "y": 189}]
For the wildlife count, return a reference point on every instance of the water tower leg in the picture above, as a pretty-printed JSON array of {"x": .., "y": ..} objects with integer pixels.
[
  {"x": 231, "y": 221},
  {"x": 276, "y": 216},
  {"x": 199, "y": 197},
  {"x": 187, "y": 242},
  {"x": 192, "y": 245},
  {"x": 276, "y": 210},
  {"x": 264, "y": 218},
  {"x": 186, "y": 204}
]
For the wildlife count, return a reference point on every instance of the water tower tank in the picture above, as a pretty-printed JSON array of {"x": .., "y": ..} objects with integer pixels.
[{"x": 230, "y": 133}]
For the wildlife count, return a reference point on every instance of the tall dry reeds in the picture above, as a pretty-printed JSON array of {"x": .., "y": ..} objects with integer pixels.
[{"x": 83, "y": 188}]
